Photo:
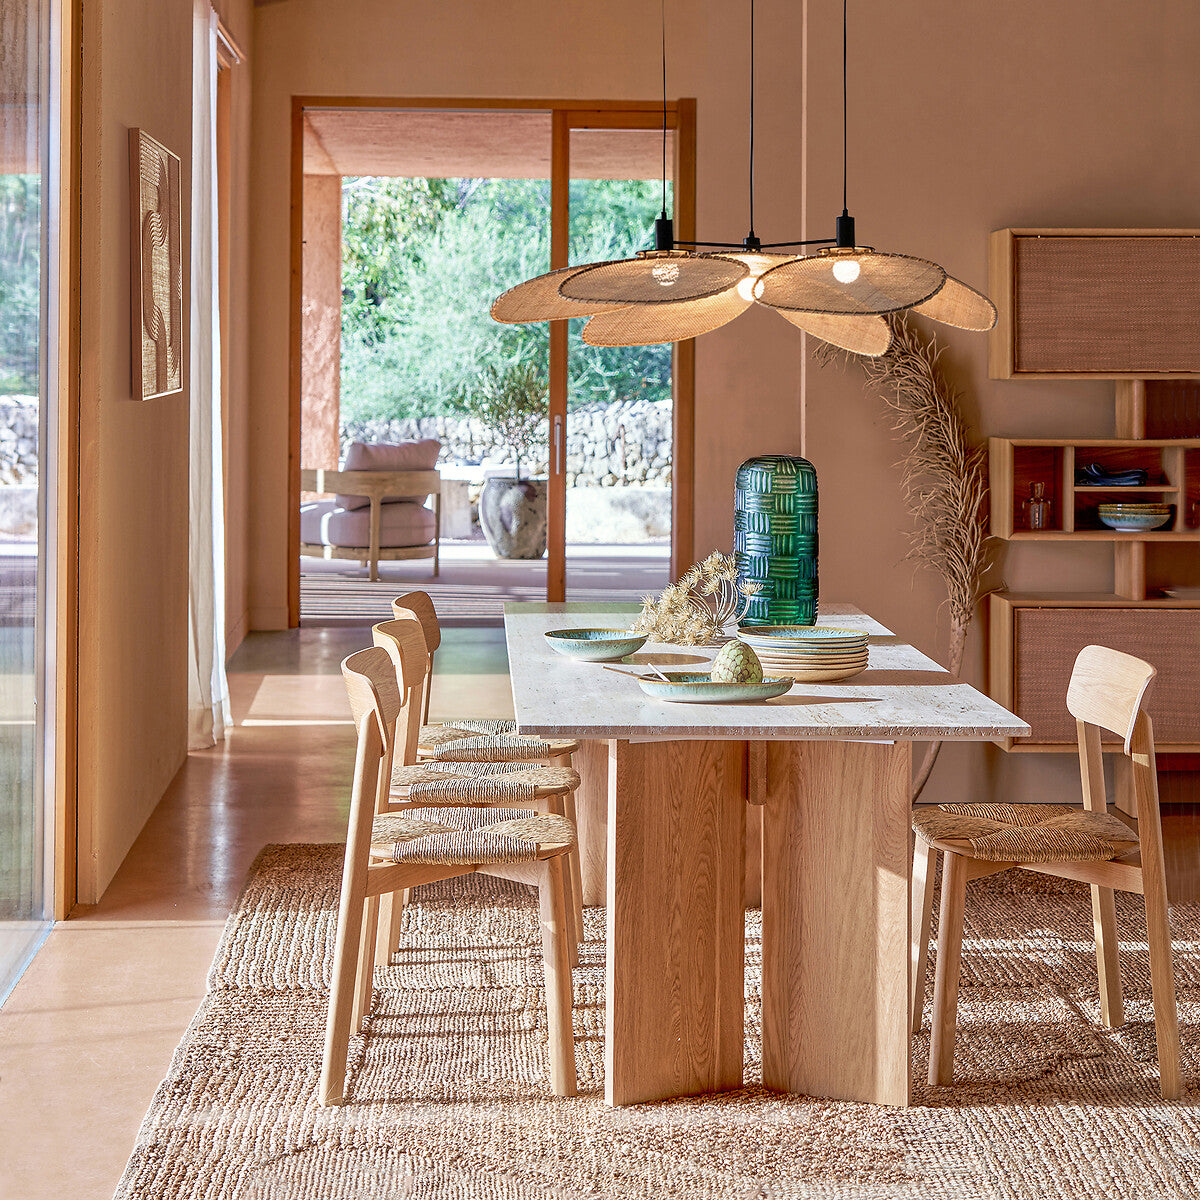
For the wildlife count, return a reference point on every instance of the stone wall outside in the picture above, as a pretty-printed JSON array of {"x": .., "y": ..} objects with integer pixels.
[{"x": 608, "y": 445}]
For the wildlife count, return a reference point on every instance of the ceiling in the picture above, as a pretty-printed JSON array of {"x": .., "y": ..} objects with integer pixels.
[{"x": 470, "y": 145}]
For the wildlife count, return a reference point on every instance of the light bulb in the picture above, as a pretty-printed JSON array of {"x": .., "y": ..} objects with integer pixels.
[
  {"x": 665, "y": 274},
  {"x": 845, "y": 270}
]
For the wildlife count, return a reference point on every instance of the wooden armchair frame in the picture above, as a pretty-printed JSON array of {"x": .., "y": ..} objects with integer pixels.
[{"x": 375, "y": 485}]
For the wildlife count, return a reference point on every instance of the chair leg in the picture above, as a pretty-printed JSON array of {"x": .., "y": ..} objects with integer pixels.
[
  {"x": 391, "y": 918},
  {"x": 341, "y": 997},
  {"x": 924, "y": 862},
  {"x": 574, "y": 879},
  {"x": 1108, "y": 963},
  {"x": 364, "y": 983},
  {"x": 945, "y": 983},
  {"x": 556, "y": 937},
  {"x": 1162, "y": 978}
]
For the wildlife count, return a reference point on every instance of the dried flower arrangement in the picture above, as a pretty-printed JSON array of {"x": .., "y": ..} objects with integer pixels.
[
  {"x": 943, "y": 476},
  {"x": 696, "y": 610}
]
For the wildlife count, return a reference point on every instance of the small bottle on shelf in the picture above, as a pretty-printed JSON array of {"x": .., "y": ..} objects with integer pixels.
[{"x": 1037, "y": 507}]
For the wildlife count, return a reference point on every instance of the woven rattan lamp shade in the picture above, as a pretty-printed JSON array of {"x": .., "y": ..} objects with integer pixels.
[
  {"x": 956, "y": 304},
  {"x": 869, "y": 336},
  {"x": 539, "y": 299},
  {"x": 885, "y": 283},
  {"x": 658, "y": 277},
  {"x": 648, "y": 324}
]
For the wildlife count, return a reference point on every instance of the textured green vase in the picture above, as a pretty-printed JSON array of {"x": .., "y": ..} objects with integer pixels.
[{"x": 775, "y": 538}]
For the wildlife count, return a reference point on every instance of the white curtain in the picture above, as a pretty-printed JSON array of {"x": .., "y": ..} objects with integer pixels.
[{"x": 208, "y": 689}]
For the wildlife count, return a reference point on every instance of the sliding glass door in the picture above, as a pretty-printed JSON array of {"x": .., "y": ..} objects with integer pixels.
[{"x": 25, "y": 27}]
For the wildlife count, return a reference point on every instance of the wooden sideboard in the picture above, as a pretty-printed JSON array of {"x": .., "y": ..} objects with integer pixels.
[
  {"x": 1095, "y": 303},
  {"x": 1034, "y": 638},
  {"x": 1120, "y": 304}
]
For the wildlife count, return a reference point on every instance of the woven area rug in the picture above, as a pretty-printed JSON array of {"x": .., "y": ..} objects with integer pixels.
[{"x": 449, "y": 1097}]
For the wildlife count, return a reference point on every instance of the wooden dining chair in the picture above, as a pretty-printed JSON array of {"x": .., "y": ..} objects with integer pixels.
[
  {"x": 544, "y": 765},
  {"x": 1107, "y": 691},
  {"x": 387, "y": 851},
  {"x": 486, "y": 739}
]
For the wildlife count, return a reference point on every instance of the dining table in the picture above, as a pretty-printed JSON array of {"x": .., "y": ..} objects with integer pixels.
[{"x": 818, "y": 783}]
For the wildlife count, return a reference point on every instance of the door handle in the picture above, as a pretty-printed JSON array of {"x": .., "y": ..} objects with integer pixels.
[{"x": 558, "y": 444}]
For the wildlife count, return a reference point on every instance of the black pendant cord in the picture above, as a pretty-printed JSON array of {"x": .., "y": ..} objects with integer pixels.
[
  {"x": 664, "y": 121},
  {"x": 845, "y": 223},
  {"x": 845, "y": 123},
  {"x": 751, "y": 240},
  {"x": 664, "y": 226}
]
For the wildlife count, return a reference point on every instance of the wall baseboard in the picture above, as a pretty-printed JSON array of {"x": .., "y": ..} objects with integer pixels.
[{"x": 266, "y": 618}]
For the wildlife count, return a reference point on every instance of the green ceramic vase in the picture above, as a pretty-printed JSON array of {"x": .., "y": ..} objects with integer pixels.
[{"x": 775, "y": 538}]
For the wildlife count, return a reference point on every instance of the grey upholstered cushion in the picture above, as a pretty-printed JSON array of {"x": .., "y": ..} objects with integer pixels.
[
  {"x": 401, "y": 523},
  {"x": 389, "y": 456}
]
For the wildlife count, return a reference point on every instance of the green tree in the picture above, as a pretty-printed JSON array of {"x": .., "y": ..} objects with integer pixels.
[
  {"x": 429, "y": 336},
  {"x": 20, "y": 287}
]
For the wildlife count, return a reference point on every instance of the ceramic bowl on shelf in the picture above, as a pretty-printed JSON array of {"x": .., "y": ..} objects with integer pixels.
[
  {"x": 1134, "y": 518},
  {"x": 595, "y": 645}
]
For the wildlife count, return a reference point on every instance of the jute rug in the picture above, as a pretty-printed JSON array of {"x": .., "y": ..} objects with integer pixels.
[{"x": 450, "y": 1099}]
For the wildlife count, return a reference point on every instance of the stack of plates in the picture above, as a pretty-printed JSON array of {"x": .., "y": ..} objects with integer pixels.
[{"x": 811, "y": 653}]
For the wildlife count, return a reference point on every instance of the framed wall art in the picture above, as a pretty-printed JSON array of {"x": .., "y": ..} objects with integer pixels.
[{"x": 156, "y": 268}]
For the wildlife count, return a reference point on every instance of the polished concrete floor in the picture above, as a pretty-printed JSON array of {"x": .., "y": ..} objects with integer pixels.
[{"x": 88, "y": 1033}]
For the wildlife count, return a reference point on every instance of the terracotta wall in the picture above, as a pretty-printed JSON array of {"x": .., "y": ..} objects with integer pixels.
[
  {"x": 133, "y": 454},
  {"x": 966, "y": 118},
  {"x": 238, "y": 17},
  {"x": 321, "y": 316},
  {"x": 536, "y": 48}
]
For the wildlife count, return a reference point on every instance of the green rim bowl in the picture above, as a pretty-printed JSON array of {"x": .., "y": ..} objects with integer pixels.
[
  {"x": 595, "y": 645},
  {"x": 1134, "y": 522},
  {"x": 685, "y": 687}
]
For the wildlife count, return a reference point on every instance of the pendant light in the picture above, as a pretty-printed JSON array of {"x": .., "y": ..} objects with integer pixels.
[
  {"x": 845, "y": 278},
  {"x": 840, "y": 294}
]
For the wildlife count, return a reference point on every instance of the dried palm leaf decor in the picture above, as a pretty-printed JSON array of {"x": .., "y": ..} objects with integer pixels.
[{"x": 943, "y": 476}]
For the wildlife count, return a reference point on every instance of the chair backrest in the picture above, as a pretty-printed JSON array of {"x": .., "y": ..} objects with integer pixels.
[
  {"x": 375, "y": 703},
  {"x": 1108, "y": 689},
  {"x": 404, "y": 642},
  {"x": 371, "y": 685},
  {"x": 421, "y": 606}
]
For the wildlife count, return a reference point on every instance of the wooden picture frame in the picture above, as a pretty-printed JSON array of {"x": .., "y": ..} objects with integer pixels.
[{"x": 156, "y": 268}]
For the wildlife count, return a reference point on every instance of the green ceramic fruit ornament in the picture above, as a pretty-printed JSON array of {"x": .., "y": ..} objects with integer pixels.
[{"x": 736, "y": 663}]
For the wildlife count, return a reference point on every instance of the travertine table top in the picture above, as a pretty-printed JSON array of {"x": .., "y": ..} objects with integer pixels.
[{"x": 901, "y": 695}]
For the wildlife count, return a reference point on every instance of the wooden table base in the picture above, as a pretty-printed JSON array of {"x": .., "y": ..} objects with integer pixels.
[
  {"x": 836, "y": 866},
  {"x": 676, "y": 932}
]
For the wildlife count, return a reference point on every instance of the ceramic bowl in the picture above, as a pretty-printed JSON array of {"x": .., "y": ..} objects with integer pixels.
[
  {"x": 595, "y": 645},
  {"x": 1131, "y": 518},
  {"x": 688, "y": 687}
]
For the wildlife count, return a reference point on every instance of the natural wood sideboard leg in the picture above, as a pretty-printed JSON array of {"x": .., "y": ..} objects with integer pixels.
[
  {"x": 591, "y": 817},
  {"x": 836, "y": 897},
  {"x": 676, "y": 920}
]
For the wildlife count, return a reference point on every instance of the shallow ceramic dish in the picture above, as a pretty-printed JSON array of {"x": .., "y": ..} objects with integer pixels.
[
  {"x": 1134, "y": 518},
  {"x": 1182, "y": 593},
  {"x": 595, "y": 645},
  {"x": 686, "y": 687},
  {"x": 806, "y": 636},
  {"x": 821, "y": 674},
  {"x": 809, "y": 664}
]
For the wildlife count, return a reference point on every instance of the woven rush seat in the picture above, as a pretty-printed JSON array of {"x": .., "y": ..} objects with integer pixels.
[
  {"x": 469, "y": 836},
  {"x": 481, "y": 783},
  {"x": 1031, "y": 833},
  {"x": 488, "y": 741}
]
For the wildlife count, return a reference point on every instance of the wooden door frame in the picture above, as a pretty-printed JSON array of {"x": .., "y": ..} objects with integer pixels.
[{"x": 681, "y": 115}]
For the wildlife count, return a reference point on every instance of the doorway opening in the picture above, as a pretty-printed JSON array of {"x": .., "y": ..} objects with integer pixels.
[{"x": 411, "y": 221}]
